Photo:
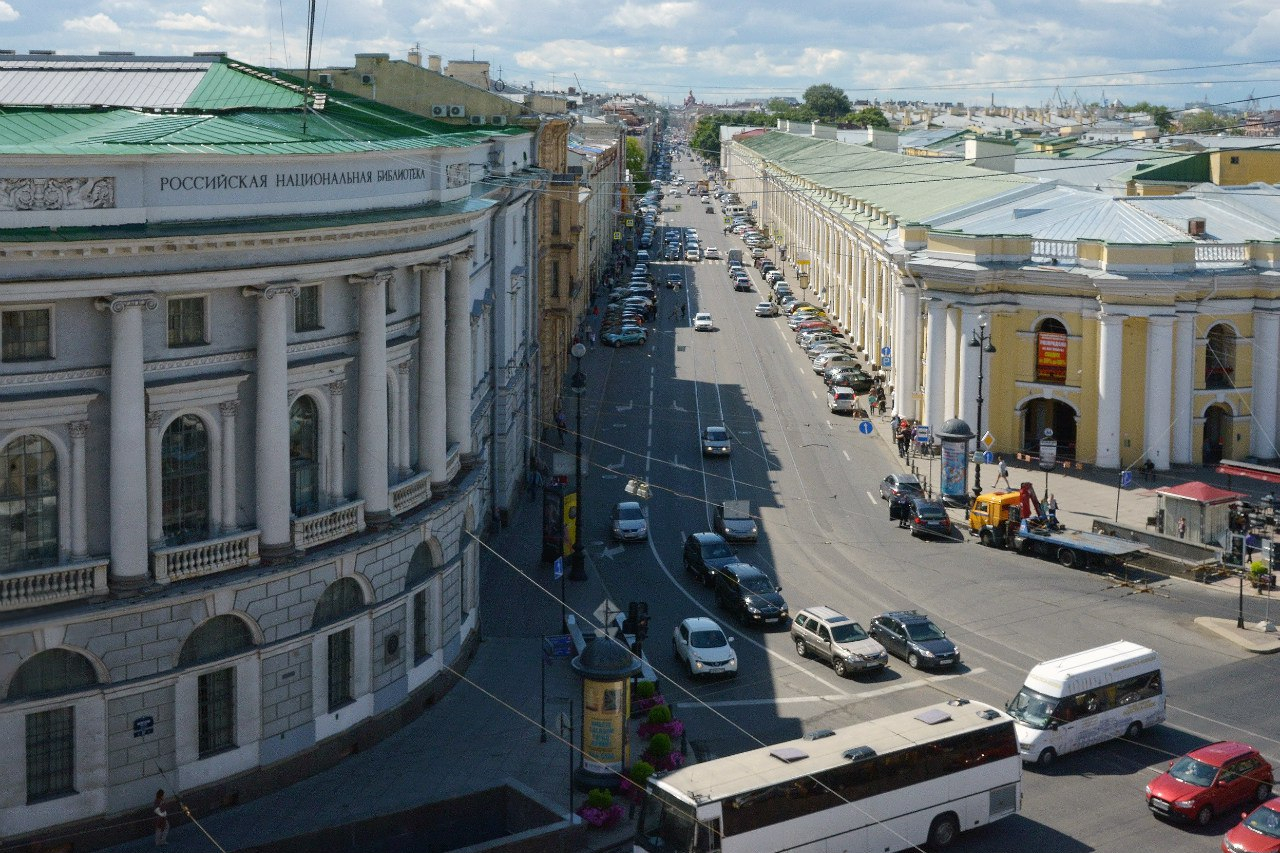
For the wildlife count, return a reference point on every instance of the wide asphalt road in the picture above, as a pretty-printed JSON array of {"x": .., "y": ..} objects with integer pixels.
[{"x": 825, "y": 536}]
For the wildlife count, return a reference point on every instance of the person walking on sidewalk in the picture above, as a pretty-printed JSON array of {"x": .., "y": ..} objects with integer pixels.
[
  {"x": 1002, "y": 472},
  {"x": 161, "y": 820},
  {"x": 561, "y": 423}
]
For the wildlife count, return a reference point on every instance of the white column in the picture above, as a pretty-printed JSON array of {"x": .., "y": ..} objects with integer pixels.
[
  {"x": 935, "y": 377},
  {"x": 967, "y": 404},
  {"x": 402, "y": 415},
  {"x": 230, "y": 502},
  {"x": 337, "y": 455},
  {"x": 951, "y": 378},
  {"x": 1266, "y": 348},
  {"x": 1184, "y": 359},
  {"x": 155, "y": 486},
  {"x": 1110, "y": 380},
  {"x": 79, "y": 500},
  {"x": 906, "y": 353},
  {"x": 868, "y": 302},
  {"x": 1159, "y": 393},
  {"x": 128, "y": 501},
  {"x": 458, "y": 364},
  {"x": 272, "y": 504},
  {"x": 371, "y": 443},
  {"x": 432, "y": 379}
]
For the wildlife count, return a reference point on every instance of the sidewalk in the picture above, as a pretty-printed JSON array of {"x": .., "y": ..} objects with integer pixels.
[{"x": 484, "y": 732}]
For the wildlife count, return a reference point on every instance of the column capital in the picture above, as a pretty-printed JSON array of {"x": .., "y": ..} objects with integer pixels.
[
  {"x": 118, "y": 303},
  {"x": 79, "y": 429},
  {"x": 382, "y": 277},
  {"x": 403, "y": 368},
  {"x": 271, "y": 289},
  {"x": 229, "y": 408},
  {"x": 441, "y": 264},
  {"x": 465, "y": 255},
  {"x": 1164, "y": 320},
  {"x": 154, "y": 418},
  {"x": 336, "y": 387},
  {"x": 1110, "y": 319}
]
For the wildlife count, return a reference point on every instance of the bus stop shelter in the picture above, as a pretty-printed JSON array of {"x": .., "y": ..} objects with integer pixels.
[{"x": 1205, "y": 508}]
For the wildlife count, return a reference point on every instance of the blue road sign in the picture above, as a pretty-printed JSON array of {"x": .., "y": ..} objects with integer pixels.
[
  {"x": 886, "y": 361},
  {"x": 1126, "y": 479},
  {"x": 865, "y": 427},
  {"x": 886, "y": 351},
  {"x": 558, "y": 568},
  {"x": 988, "y": 457}
]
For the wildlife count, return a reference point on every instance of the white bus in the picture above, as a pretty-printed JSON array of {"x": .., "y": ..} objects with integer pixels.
[
  {"x": 901, "y": 781},
  {"x": 1086, "y": 698}
]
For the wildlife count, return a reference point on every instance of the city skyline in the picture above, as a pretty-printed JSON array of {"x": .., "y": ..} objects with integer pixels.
[{"x": 933, "y": 51}]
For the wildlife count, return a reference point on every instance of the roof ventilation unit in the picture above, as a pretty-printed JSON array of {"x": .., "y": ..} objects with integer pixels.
[
  {"x": 477, "y": 119},
  {"x": 457, "y": 111},
  {"x": 497, "y": 121},
  {"x": 1195, "y": 227},
  {"x": 439, "y": 111},
  {"x": 367, "y": 79}
]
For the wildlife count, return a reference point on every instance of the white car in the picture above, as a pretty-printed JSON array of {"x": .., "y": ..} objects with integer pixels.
[
  {"x": 700, "y": 644},
  {"x": 712, "y": 253},
  {"x": 702, "y": 322},
  {"x": 766, "y": 309}
]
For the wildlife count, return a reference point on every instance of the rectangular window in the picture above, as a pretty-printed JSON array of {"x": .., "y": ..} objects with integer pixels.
[
  {"x": 216, "y": 709},
  {"x": 421, "y": 648},
  {"x": 306, "y": 309},
  {"x": 341, "y": 665},
  {"x": 555, "y": 278},
  {"x": 26, "y": 335},
  {"x": 51, "y": 749},
  {"x": 186, "y": 322},
  {"x": 555, "y": 217}
]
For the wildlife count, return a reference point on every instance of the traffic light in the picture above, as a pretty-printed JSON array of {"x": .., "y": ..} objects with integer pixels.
[
  {"x": 642, "y": 620},
  {"x": 629, "y": 626}
]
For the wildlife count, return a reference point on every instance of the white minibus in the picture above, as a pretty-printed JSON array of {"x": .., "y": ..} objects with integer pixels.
[{"x": 1085, "y": 698}]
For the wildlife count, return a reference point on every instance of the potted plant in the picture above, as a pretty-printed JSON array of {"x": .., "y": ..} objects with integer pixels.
[
  {"x": 1260, "y": 578},
  {"x": 661, "y": 721},
  {"x": 646, "y": 696},
  {"x": 600, "y": 810},
  {"x": 634, "y": 782},
  {"x": 662, "y": 754}
]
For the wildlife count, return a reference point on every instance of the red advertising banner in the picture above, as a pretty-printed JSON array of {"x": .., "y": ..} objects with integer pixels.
[{"x": 1051, "y": 357}]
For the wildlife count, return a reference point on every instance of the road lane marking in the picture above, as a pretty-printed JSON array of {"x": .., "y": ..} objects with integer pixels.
[
  {"x": 846, "y": 456},
  {"x": 843, "y": 697},
  {"x": 872, "y": 498}
]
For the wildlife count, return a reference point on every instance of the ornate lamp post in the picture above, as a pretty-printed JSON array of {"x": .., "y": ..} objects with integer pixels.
[
  {"x": 577, "y": 569},
  {"x": 982, "y": 340}
]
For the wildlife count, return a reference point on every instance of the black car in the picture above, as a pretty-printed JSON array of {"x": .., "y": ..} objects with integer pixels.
[
  {"x": 928, "y": 518},
  {"x": 848, "y": 376},
  {"x": 747, "y": 592},
  {"x": 704, "y": 553},
  {"x": 913, "y": 637}
]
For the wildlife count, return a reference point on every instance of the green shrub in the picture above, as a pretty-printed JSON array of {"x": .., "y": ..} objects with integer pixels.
[
  {"x": 660, "y": 745},
  {"x": 599, "y": 798},
  {"x": 660, "y": 714},
  {"x": 646, "y": 689},
  {"x": 1257, "y": 567},
  {"x": 640, "y": 773}
]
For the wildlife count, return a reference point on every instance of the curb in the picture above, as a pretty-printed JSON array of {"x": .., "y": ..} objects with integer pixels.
[{"x": 1251, "y": 637}]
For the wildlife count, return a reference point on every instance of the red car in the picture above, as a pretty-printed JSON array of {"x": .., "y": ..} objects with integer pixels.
[
  {"x": 1209, "y": 781},
  {"x": 1259, "y": 832}
]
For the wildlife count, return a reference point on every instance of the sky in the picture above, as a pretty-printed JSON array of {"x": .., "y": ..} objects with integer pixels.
[{"x": 1015, "y": 52}]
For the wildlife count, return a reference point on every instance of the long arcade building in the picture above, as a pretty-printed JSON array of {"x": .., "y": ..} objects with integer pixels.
[
  {"x": 1133, "y": 328},
  {"x": 264, "y": 370}
]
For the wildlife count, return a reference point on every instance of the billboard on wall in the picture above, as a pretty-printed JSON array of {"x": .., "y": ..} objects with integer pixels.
[{"x": 1051, "y": 357}]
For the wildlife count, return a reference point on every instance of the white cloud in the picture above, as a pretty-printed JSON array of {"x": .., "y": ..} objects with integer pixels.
[
  {"x": 640, "y": 17},
  {"x": 7, "y": 13},
  {"x": 95, "y": 25}
]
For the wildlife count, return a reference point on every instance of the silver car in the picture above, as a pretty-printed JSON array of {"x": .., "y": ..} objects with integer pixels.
[
  {"x": 766, "y": 309},
  {"x": 629, "y": 523},
  {"x": 715, "y": 441},
  {"x": 831, "y": 636}
]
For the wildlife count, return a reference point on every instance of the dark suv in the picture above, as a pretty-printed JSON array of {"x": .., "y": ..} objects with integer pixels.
[
  {"x": 704, "y": 553},
  {"x": 747, "y": 592},
  {"x": 913, "y": 637}
]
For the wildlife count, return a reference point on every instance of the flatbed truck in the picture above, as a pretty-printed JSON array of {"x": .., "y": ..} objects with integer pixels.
[{"x": 1016, "y": 520}]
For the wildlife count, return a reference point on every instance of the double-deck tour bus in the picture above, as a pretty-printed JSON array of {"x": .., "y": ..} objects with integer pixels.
[
  {"x": 900, "y": 781},
  {"x": 1085, "y": 698}
]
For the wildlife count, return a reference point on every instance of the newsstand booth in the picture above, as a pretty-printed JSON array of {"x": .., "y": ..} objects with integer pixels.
[{"x": 1206, "y": 508}]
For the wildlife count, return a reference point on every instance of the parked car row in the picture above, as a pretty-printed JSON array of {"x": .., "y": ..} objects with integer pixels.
[{"x": 825, "y": 633}]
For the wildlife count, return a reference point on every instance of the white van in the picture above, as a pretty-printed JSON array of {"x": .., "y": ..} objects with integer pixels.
[
  {"x": 735, "y": 210},
  {"x": 1085, "y": 698}
]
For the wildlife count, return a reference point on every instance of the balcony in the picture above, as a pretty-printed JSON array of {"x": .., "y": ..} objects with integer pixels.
[
  {"x": 182, "y": 562},
  {"x": 53, "y": 584},
  {"x": 411, "y": 494},
  {"x": 316, "y": 529}
]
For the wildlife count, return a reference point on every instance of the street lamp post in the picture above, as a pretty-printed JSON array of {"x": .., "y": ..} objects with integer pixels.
[
  {"x": 577, "y": 569},
  {"x": 982, "y": 340}
]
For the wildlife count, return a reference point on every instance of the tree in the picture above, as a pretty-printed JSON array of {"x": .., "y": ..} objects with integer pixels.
[
  {"x": 705, "y": 139},
  {"x": 1206, "y": 121},
  {"x": 1161, "y": 117},
  {"x": 826, "y": 101},
  {"x": 868, "y": 117},
  {"x": 635, "y": 165}
]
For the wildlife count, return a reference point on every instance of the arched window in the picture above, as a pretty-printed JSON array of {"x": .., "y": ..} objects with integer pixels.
[
  {"x": 184, "y": 480},
  {"x": 343, "y": 598},
  {"x": 1220, "y": 357},
  {"x": 1051, "y": 352},
  {"x": 217, "y": 638},
  {"x": 304, "y": 457},
  {"x": 51, "y": 734},
  {"x": 52, "y": 671},
  {"x": 28, "y": 504}
]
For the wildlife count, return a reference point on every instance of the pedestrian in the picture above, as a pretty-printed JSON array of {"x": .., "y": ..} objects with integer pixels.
[
  {"x": 591, "y": 336},
  {"x": 684, "y": 311},
  {"x": 894, "y": 422},
  {"x": 1051, "y": 507},
  {"x": 1182, "y": 527},
  {"x": 1148, "y": 468},
  {"x": 883, "y": 404},
  {"x": 1002, "y": 472},
  {"x": 561, "y": 423},
  {"x": 161, "y": 820}
]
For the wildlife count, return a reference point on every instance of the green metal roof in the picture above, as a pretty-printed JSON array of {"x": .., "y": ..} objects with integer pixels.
[
  {"x": 231, "y": 86},
  {"x": 1191, "y": 169},
  {"x": 911, "y": 188}
]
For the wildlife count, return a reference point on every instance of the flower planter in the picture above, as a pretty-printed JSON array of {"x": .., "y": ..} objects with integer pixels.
[
  {"x": 675, "y": 728},
  {"x": 602, "y": 818},
  {"x": 671, "y": 761},
  {"x": 641, "y": 706}
]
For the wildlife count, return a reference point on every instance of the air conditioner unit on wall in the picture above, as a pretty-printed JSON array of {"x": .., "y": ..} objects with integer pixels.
[
  {"x": 326, "y": 79},
  {"x": 477, "y": 119},
  {"x": 439, "y": 111},
  {"x": 498, "y": 121},
  {"x": 457, "y": 111},
  {"x": 366, "y": 79}
]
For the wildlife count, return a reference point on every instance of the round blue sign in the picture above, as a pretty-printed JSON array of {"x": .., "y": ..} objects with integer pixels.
[
  {"x": 865, "y": 427},
  {"x": 886, "y": 351}
]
